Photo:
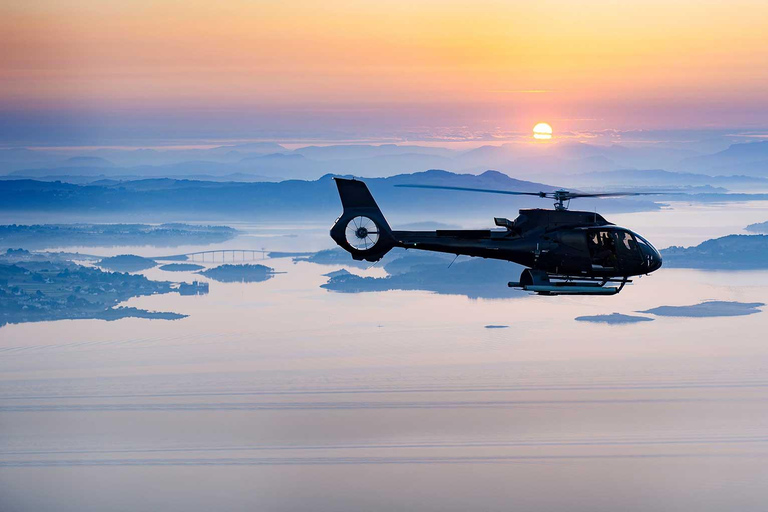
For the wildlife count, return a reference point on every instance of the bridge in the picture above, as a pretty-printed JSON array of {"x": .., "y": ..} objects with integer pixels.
[{"x": 218, "y": 255}]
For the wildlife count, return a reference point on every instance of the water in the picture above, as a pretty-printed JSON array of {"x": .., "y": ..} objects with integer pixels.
[{"x": 282, "y": 396}]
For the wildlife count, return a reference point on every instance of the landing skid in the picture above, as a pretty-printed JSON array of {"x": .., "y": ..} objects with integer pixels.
[{"x": 550, "y": 284}]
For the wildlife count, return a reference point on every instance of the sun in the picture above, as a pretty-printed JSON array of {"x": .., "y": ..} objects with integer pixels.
[{"x": 542, "y": 131}]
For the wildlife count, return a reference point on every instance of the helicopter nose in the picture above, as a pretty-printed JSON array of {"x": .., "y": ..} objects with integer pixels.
[
  {"x": 650, "y": 255},
  {"x": 654, "y": 260}
]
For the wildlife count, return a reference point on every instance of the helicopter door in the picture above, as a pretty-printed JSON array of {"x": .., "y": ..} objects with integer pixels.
[{"x": 602, "y": 250}]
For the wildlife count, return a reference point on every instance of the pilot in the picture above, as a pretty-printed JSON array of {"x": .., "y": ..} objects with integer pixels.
[
  {"x": 594, "y": 245},
  {"x": 606, "y": 254}
]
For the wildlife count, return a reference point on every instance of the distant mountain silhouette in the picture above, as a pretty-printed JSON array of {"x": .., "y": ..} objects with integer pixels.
[
  {"x": 363, "y": 151},
  {"x": 249, "y": 147},
  {"x": 568, "y": 158},
  {"x": 748, "y": 158},
  {"x": 659, "y": 179},
  {"x": 288, "y": 200},
  {"x": 311, "y": 162},
  {"x": 89, "y": 161}
]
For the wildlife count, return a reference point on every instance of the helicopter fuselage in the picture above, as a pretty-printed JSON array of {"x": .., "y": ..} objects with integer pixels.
[{"x": 556, "y": 242}]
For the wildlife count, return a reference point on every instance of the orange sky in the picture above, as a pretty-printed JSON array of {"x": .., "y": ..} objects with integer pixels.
[{"x": 600, "y": 64}]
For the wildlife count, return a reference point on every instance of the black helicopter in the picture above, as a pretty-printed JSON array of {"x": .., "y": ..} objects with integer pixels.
[{"x": 566, "y": 252}]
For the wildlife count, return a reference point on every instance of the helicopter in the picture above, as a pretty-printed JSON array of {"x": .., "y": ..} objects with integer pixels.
[{"x": 565, "y": 252}]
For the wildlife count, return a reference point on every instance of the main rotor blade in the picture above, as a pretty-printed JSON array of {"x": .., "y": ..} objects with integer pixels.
[
  {"x": 558, "y": 194},
  {"x": 574, "y": 195},
  {"x": 485, "y": 190}
]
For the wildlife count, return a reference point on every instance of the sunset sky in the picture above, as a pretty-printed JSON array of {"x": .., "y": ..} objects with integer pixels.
[{"x": 167, "y": 70}]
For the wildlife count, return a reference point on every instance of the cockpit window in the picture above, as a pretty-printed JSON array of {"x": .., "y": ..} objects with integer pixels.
[
  {"x": 602, "y": 248},
  {"x": 627, "y": 240},
  {"x": 643, "y": 242}
]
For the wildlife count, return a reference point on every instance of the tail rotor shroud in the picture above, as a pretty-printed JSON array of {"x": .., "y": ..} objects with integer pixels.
[
  {"x": 361, "y": 229},
  {"x": 362, "y": 233}
]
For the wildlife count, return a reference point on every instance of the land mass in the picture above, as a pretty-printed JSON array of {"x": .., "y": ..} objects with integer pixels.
[
  {"x": 712, "y": 308},
  {"x": 34, "y": 291},
  {"x": 732, "y": 252},
  {"x": 336, "y": 256},
  {"x": 127, "y": 263},
  {"x": 44, "y": 236},
  {"x": 181, "y": 267},
  {"x": 759, "y": 227},
  {"x": 239, "y": 273},
  {"x": 613, "y": 319}
]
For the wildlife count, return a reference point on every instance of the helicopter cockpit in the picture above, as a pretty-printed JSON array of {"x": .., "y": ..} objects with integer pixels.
[{"x": 614, "y": 248}]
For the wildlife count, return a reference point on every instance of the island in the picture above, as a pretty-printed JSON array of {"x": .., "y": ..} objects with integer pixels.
[
  {"x": 34, "y": 291},
  {"x": 126, "y": 263},
  {"x": 759, "y": 227},
  {"x": 732, "y": 252},
  {"x": 613, "y": 319},
  {"x": 23, "y": 256},
  {"x": 335, "y": 256},
  {"x": 181, "y": 267},
  {"x": 338, "y": 273},
  {"x": 712, "y": 308},
  {"x": 193, "y": 288},
  {"x": 41, "y": 236},
  {"x": 239, "y": 273}
]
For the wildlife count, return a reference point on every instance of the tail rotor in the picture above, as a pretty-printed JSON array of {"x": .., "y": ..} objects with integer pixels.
[{"x": 362, "y": 229}]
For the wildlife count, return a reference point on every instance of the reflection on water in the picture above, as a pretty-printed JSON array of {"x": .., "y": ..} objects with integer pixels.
[{"x": 280, "y": 395}]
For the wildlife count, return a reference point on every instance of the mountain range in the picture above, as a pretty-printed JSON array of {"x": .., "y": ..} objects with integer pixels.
[
  {"x": 163, "y": 200},
  {"x": 268, "y": 161}
]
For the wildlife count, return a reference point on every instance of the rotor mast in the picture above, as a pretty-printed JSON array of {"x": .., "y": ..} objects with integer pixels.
[{"x": 562, "y": 200}]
